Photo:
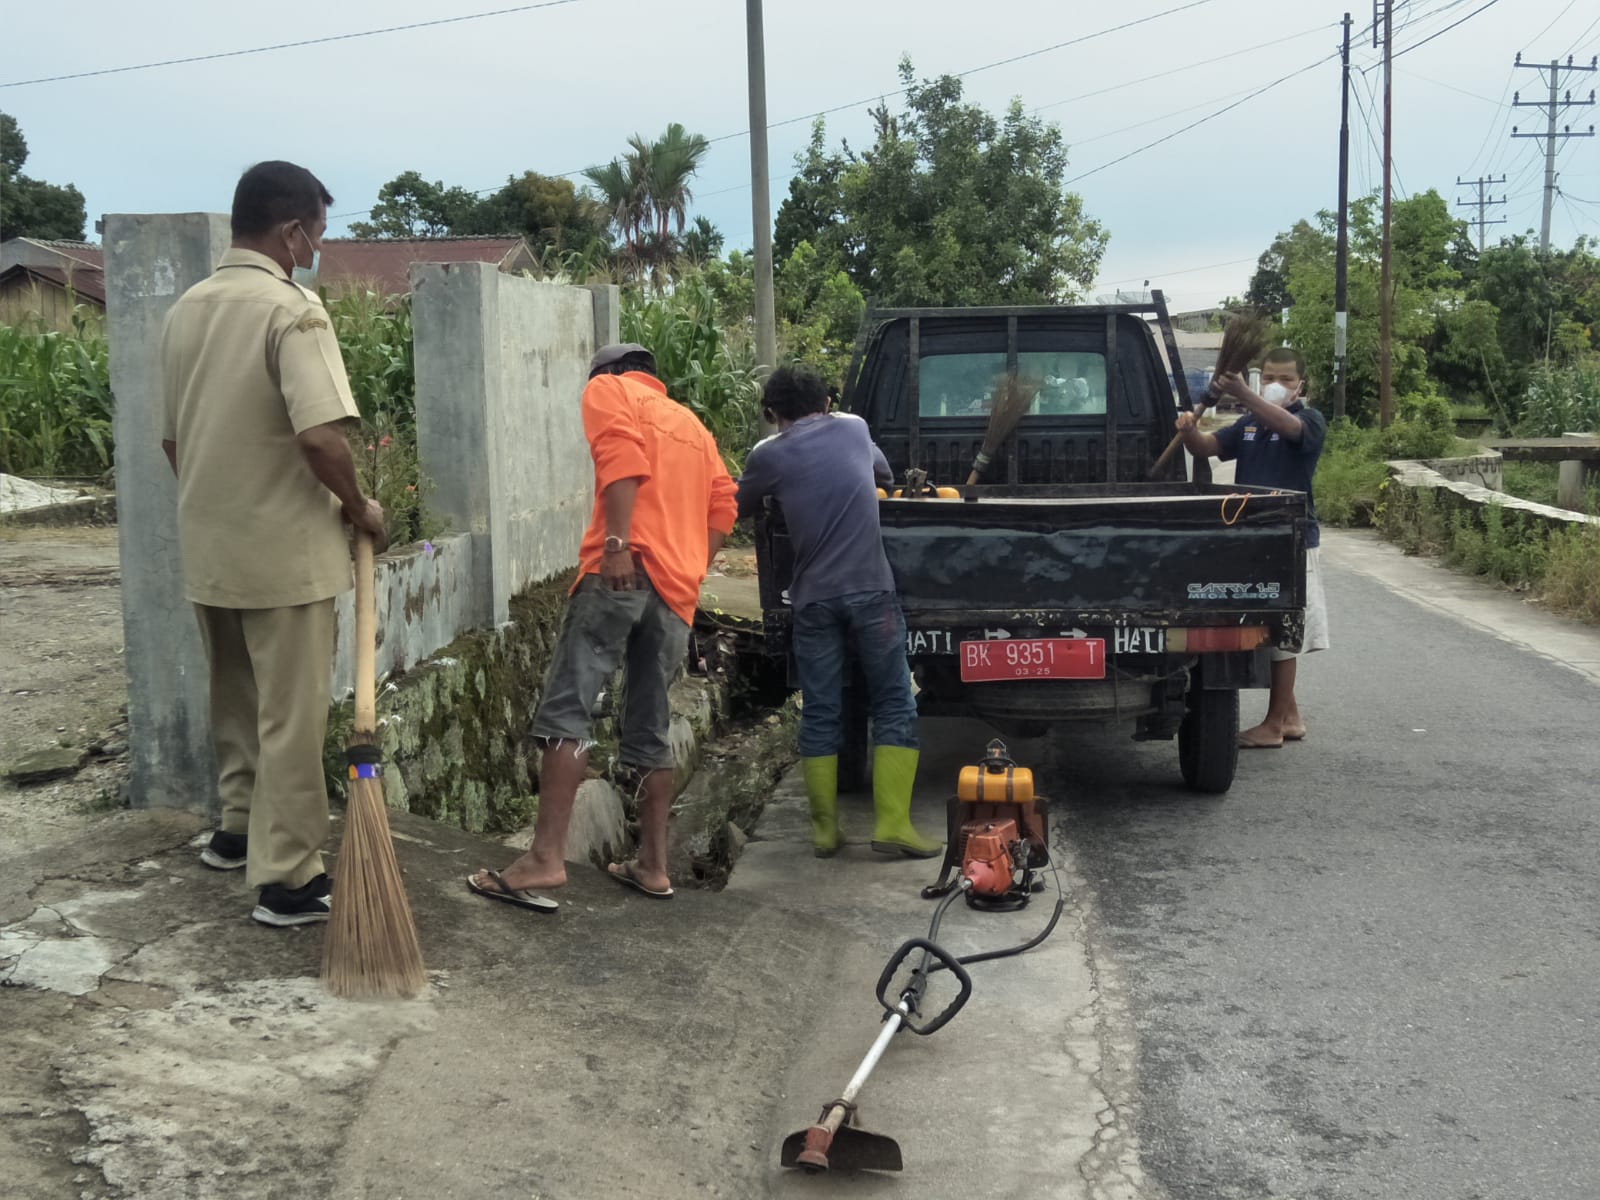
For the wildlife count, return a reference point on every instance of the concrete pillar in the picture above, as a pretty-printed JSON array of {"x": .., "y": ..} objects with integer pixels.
[
  {"x": 607, "y": 313},
  {"x": 150, "y": 260},
  {"x": 1575, "y": 478},
  {"x": 455, "y": 337},
  {"x": 501, "y": 363}
]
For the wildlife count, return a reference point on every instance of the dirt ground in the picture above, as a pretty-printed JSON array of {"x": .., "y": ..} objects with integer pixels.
[{"x": 61, "y": 677}]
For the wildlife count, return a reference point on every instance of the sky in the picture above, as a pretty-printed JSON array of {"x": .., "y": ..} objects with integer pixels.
[{"x": 562, "y": 87}]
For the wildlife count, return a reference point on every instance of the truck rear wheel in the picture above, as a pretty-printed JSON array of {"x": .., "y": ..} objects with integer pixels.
[{"x": 1208, "y": 740}]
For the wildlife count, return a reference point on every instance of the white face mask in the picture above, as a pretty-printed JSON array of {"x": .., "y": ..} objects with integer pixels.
[
  {"x": 1276, "y": 393},
  {"x": 306, "y": 277}
]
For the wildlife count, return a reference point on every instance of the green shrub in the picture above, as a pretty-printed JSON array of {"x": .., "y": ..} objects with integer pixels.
[
  {"x": 1350, "y": 475},
  {"x": 1562, "y": 400},
  {"x": 55, "y": 398},
  {"x": 1571, "y": 581},
  {"x": 1424, "y": 427}
]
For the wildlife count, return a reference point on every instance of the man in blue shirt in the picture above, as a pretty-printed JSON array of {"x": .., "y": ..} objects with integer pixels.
[
  {"x": 824, "y": 471},
  {"x": 1277, "y": 443}
]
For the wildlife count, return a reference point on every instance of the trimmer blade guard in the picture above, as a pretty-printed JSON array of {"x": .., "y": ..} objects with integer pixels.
[{"x": 850, "y": 1149}]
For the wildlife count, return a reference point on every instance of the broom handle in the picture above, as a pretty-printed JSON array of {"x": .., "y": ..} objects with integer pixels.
[
  {"x": 1177, "y": 440},
  {"x": 366, "y": 719}
]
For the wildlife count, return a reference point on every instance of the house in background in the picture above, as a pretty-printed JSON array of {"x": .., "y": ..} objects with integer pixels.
[
  {"x": 41, "y": 280},
  {"x": 384, "y": 264}
]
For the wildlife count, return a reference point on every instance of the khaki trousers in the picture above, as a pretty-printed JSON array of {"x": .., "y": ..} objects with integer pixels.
[{"x": 269, "y": 714}]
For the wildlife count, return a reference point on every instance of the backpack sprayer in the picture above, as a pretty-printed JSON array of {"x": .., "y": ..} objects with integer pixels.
[{"x": 998, "y": 840}]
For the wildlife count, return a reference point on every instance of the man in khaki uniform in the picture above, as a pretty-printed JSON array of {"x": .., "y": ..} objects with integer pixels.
[{"x": 256, "y": 404}]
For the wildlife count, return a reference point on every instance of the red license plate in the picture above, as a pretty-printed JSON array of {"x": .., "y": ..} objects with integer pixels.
[{"x": 1033, "y": 658}]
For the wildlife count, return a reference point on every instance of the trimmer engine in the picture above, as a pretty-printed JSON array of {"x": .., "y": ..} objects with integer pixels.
[{"x": 997, "y": 836}]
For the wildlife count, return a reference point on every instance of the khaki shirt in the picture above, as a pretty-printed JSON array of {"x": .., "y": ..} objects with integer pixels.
[{"x": 249, "y": 360}]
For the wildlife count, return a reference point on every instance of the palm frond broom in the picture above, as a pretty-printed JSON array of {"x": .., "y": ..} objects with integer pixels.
[
  {"x": 371, "y": 950},
  {"x": 1242, "y": 343}
]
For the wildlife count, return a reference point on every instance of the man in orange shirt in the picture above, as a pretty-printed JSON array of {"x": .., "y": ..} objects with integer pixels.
[{"x": 663, "y": 504}]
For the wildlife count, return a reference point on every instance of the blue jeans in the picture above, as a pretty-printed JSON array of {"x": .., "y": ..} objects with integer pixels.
[{"x": 871, "y": 628}]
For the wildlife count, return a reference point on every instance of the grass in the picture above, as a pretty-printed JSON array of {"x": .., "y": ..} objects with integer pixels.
[
  {"x": 1534, "y": 481},
  {"x": 1560, "y": 566}
]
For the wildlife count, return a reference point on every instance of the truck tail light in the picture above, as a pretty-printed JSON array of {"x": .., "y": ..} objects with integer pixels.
[{"x": 1216, "y": 639}]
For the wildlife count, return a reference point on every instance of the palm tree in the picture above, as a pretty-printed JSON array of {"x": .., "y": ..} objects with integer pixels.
[
  {"x": 674, "y": 158},
  {"x": 623, "y": 193}
]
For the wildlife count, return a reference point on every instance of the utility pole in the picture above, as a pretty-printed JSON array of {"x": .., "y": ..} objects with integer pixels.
[
  {"x": 1482, "y": 202},
  {"x": 1341, "y": 305},
  {"x": 1386, "y": 300},
  {"x": 760, "y": 198},
  {"x": 1553, "y": 108}
]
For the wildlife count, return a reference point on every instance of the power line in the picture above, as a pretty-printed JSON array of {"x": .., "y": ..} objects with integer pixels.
[
  {"x": 1168, "y": 274},
  {"x": 1452, "y": 87},
  {"x": 1583, "y": 35},
  {"x": 1446, "y": 29},
  {"x": 1196, "y": 124},
  {"x": 1552, "y": 25},
  {"x": 1167, "y": 74},
  {"x": 338, "y": 37},
  {"x": 881, "y": 96}
]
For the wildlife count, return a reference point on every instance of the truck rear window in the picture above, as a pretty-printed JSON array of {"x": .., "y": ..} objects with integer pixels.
[{"x": 1063, "y": 383}]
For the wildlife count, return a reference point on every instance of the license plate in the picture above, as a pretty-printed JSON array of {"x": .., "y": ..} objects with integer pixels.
[{"x": 1033, "y": 658}]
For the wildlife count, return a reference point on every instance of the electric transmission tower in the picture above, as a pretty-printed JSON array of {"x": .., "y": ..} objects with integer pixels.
[{"x": 1552, "y": 108}]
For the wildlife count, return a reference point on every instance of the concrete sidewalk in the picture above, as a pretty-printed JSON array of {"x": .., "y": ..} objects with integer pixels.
[
  {"x": 1024, "y": 1092},
  {"x": 158, "y": 1044}
]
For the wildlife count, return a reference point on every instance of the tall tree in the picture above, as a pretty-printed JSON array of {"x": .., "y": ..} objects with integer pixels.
[
  {"x": 409, "y": 207},
  {"x": 550, "y": 211},
  {"x": 647, "y": 193},
  {"x": 950, "y": 205},
  {"x": 31, "y": 207}
]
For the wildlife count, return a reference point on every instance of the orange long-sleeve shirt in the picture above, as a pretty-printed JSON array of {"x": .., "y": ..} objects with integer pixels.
[{"x": 636, "y": 431}]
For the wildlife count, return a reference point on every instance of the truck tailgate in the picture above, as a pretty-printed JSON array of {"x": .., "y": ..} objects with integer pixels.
[{"x": 1153, "y": 555}]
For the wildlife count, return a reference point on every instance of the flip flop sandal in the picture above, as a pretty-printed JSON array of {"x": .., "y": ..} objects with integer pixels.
[
  {"x": 521, "y": 899},
  {"x": 1295, "y": 737},
  {"x": 623, "y": 873}
]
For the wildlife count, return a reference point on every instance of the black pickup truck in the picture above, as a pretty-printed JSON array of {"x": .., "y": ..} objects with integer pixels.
[{"x": 1066, "y": 585}]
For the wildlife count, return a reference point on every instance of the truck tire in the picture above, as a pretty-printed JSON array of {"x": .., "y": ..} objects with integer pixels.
[
  {"x": 853, "y": 754},
  {"x": 1208, "y": 740}
]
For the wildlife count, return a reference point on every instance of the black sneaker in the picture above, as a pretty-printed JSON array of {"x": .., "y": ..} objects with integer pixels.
[
  {"x": 226, "y": 851},
  {"x": 306, "y": 905}
]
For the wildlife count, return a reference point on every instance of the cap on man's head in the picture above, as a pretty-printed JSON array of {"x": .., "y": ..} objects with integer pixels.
[{"x": 607, "y": 357}]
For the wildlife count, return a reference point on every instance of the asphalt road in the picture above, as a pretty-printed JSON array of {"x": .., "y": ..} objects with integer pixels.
[{"x": 1369, "y": 970}]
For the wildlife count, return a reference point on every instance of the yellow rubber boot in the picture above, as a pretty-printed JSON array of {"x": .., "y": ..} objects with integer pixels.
[
  {"x": 822, "y": 791},
  {"x": 894, "y": 774}
]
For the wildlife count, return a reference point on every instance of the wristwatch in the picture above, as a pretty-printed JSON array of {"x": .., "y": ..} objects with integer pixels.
[{"x": 615, "y": 545}]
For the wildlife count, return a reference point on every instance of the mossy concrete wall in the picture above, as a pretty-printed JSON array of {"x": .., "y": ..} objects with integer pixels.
[{"x": 457, "y": 749}]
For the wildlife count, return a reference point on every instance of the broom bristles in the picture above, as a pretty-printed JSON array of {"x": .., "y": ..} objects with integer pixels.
[
  {"x": 371, "y": 950},
  {"x": 1012, "y": 398},
  {"x": 1242, "y": 341}
]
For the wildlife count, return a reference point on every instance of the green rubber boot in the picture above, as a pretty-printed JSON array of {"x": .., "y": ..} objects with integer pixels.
[
  {"x": 822, "y": 790},
  {"x": 894, "y": 773}
]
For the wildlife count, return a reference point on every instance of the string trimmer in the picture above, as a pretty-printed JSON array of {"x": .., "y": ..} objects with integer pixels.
[{"x": 998, "y": 839}]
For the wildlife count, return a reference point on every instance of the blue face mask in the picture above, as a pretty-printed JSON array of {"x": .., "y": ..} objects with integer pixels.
[{"x": 306, "y": 277}]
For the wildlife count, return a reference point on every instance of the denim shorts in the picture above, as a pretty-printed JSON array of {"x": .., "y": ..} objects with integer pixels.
[{"x": 601, "y": 631}]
